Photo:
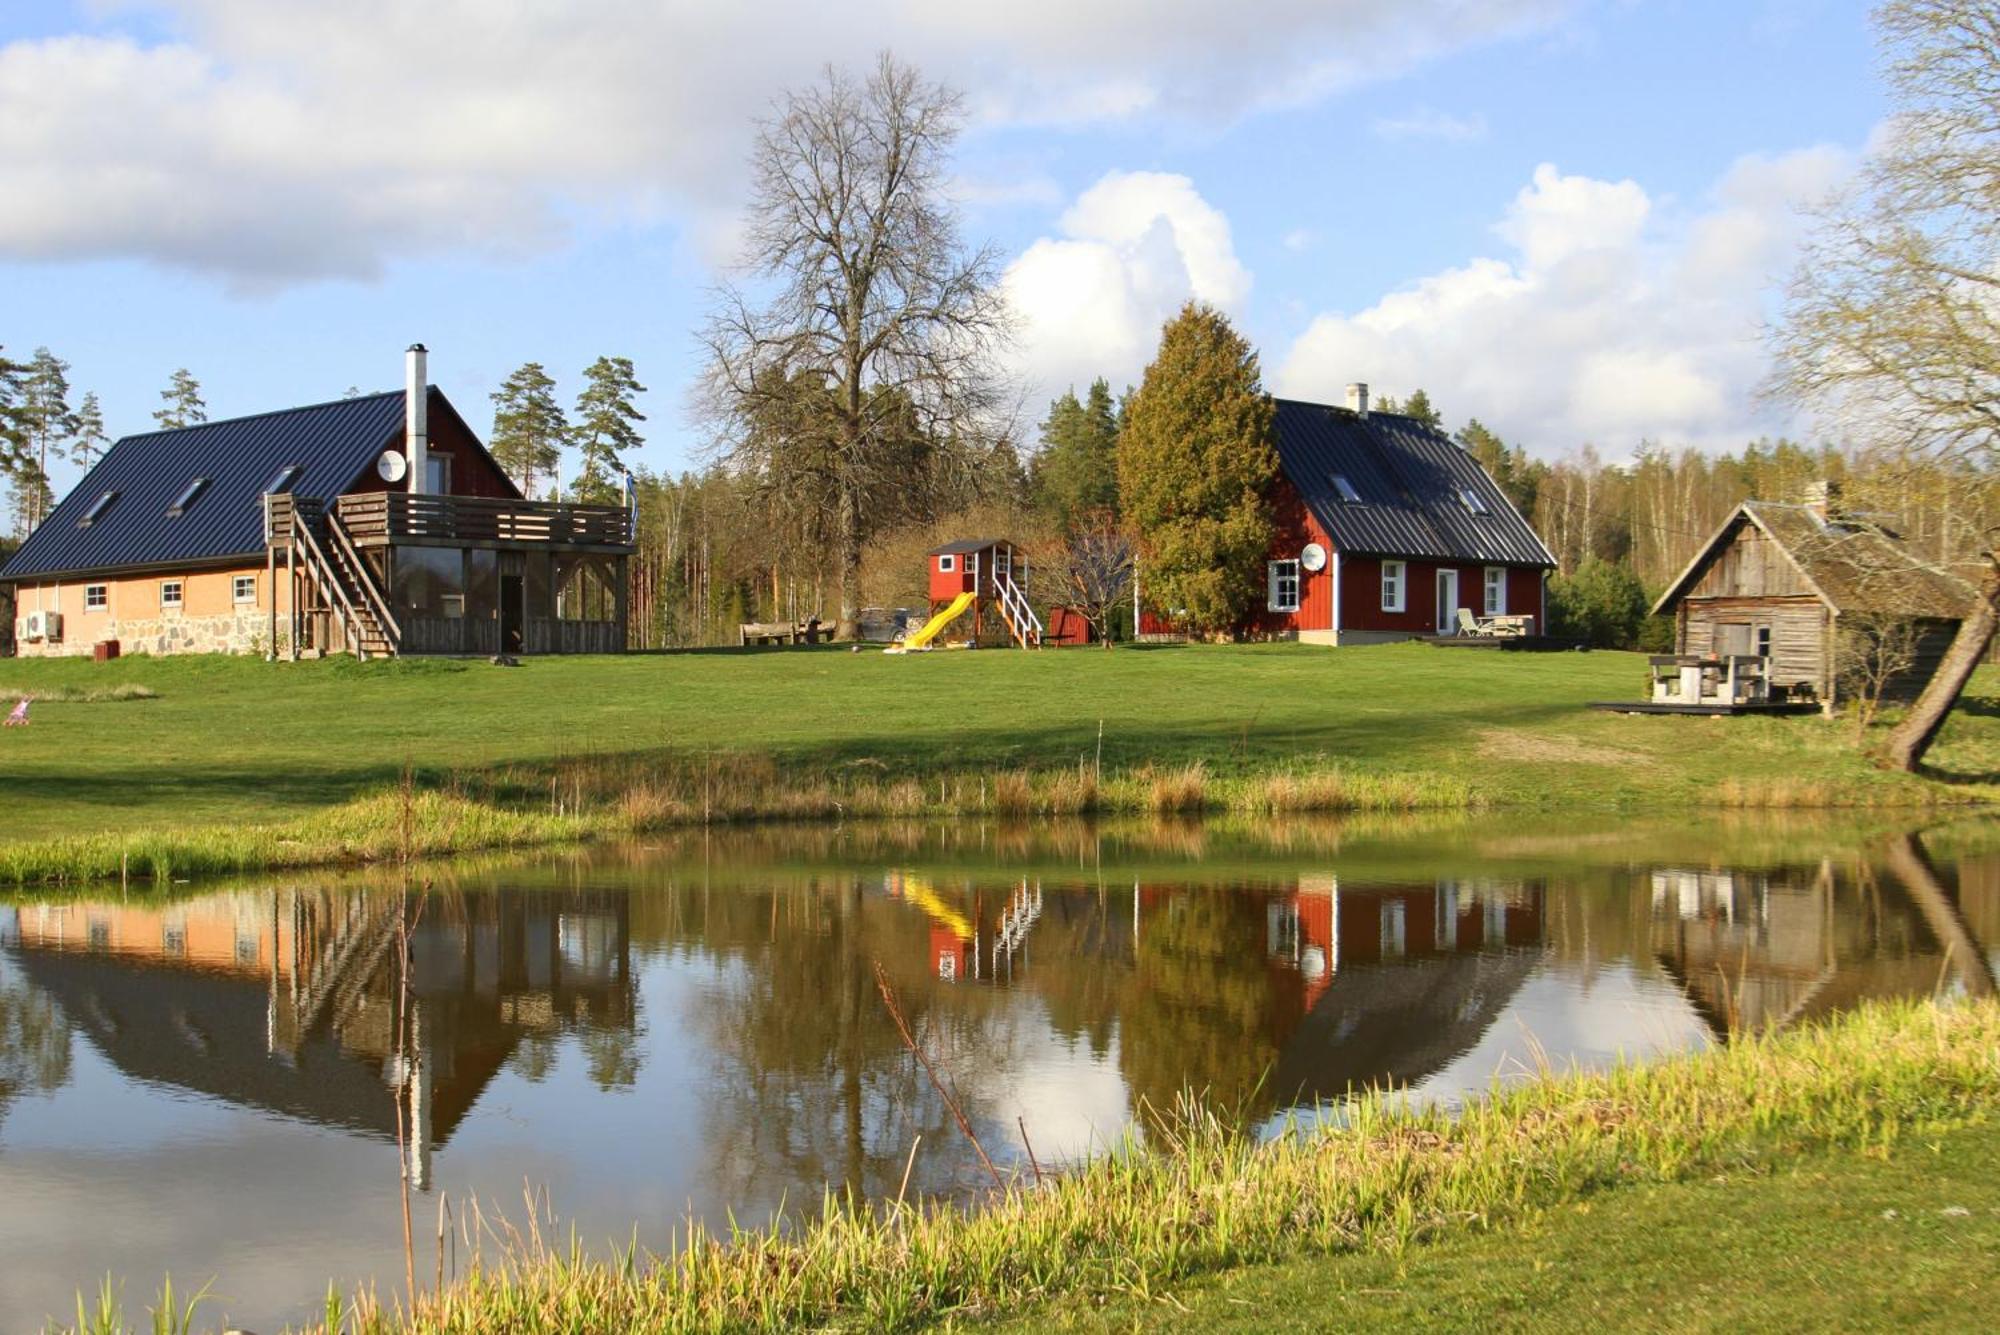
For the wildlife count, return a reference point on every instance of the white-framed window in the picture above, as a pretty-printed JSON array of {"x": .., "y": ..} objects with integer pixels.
[
  {"x": 1496, "y": 591},
  {"x": 181, "y": 502},
  {"x": 170, "y": 593},
  {"x": 96, "y": 510},
  {"x": 947, "y": 563},
  {"x": 1393, "y": 579},
  {"x": 437, "y": 474},
  {"x": 1282, "y": 586},
  {"x": 1345, "y": 489},
  {"x": 243, "y": 589},
  {"x": 1474, "y": 501},
  {"x": 96, "y": 597}
]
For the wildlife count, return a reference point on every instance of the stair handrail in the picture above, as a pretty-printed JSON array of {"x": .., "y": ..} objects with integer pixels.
[
  {"x": 1015, "y": 608},
  {"x": 329, "y": 581},
  {"x": 371, "y": 593}
]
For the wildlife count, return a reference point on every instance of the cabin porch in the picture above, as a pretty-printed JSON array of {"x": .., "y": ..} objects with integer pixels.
[{"x": 383, "y": 573}]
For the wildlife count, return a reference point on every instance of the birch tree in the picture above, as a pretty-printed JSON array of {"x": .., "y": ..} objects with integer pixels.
[{"x": 855, "y": 281}]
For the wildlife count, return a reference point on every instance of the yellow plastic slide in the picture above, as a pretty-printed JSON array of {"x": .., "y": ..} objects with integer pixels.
[{"x": 922, "y": 638}]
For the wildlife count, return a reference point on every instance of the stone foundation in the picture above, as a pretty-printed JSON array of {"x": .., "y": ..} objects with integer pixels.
[{"x": 245, "y": 632}]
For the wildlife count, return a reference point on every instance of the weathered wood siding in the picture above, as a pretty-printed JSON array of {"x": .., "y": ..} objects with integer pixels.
[
  {"x": 1798, "y": 626},
  {"x": 1750, "y": 565},
  {"x": 1933, "y": 638}
]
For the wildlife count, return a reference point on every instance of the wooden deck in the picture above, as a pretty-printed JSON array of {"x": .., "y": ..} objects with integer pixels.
[
  {"x": 399, "y": 518},
  {"x": 1531, "y": 644},
  {"x": 1711, "y": 709}
]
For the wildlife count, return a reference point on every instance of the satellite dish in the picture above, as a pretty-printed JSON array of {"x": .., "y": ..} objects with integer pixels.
[
  {"x": 391, "y": 466},
  {"x": 1313, "y": 558}
]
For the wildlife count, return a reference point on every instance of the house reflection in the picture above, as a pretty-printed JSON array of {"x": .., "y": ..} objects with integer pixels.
[
  {"x": 1755, "y": 950},
  {"x": 286, "y": 1000}
]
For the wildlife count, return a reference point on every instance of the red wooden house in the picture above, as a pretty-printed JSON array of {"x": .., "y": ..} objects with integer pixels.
[{"x": 1386, "y": 528}]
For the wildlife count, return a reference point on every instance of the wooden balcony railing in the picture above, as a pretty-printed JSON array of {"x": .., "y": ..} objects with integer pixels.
[{"x": 372, "y": 518}]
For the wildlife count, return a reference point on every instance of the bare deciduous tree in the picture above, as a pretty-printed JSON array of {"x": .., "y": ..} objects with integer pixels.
[
  {"x": 1872, "y": 655},
  {"x": 1893, "y": 322},
  {"x": 867, "y": 311},
  {"x": 1089, "y": 569}
]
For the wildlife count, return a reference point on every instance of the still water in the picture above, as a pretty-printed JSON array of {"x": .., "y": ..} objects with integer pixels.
[{"x": 209, "y": 1084}]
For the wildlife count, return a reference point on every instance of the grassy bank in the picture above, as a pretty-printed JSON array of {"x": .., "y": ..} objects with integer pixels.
[
  {"x": 200, "y": 764},
  {"x": 1140, "y": 1223}
]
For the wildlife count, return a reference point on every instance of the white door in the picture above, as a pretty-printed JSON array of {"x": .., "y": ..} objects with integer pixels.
[{"x": 1447, "y": 603}]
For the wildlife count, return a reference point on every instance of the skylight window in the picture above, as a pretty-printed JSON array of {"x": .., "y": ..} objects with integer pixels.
[
  {"x": 1474, "y": 501},
  {"x": 97, "y": 509},
  {"x": 1346, "y": 489},
  {"x": 186, "y": 498},
  {"x": 281, "y": 481}
]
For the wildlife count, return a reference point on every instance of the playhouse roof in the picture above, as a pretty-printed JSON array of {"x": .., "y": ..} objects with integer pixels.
[
  {"x": 964, "y": 545},
  {"x": 1410, "y": 490}
]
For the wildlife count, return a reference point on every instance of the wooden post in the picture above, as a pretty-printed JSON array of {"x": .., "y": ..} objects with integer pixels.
[
  {"x": 621, "y": 589},
  {"x": 271, "y": 588}
]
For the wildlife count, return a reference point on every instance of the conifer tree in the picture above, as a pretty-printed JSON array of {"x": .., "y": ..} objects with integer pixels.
[
  {"x": 1076, "y": 471},
  {"x": 46, "y": 421},
  {"x": 528, "y": 426},
  {"x": 605, "y": 427},
  {"x": 1419, "y": 407},
  {"x": 17, "y": 458},
  {"x": 1195, "y": 465},
  {"x": 87, "y": 436},
  {"x": 183, "y": 402}
]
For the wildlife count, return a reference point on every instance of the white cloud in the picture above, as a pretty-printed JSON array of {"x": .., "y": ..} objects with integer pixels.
[
  {"x": 1134, "y": 247},
  {"x": 1613, "y": 319},
  {"x": 1300, "y": 239},
  {"x": 273, "y": 143},
  {"x": 1430, "y": 123}
]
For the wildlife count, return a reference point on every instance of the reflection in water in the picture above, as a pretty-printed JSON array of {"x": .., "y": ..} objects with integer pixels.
[{"x": 765, "y": 1069}]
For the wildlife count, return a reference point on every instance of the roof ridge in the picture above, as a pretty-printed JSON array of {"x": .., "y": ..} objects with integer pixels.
[{"x": 269, "y": 412}]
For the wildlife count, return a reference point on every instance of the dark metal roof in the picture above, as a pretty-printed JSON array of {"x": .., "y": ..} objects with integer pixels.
[
  {"x": 1409, "y": 478},
  {"x": 331, "y": 442}
]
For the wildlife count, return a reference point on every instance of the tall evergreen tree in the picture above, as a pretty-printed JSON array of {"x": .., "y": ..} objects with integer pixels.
[
  {"x": 1420, "y": 408},
  {"x": 606, "y": 427},
  {"x": 1075, "y": 472},
  {"x": 46, "y": 420},
  {"x": 17, "y": 456},
  {"x": 87, "y": 436},
  {"x": 183, "y": 402},
  {"x": 1195, "y": 466},
  {"x": 528, "y": 426}
]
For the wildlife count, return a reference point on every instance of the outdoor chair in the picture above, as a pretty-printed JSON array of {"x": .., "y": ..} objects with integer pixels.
[
  {"x": 19, "y": 718},
  {"x": 1468, "y": 624}
]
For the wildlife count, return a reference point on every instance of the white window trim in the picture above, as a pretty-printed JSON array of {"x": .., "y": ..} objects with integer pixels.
[
  {"x": 180, "y": 593},
  {"x": 103, "y": 592},
  {"x": 1496, "y": 606},
  {"x": 1397, "y": 572},
  {"x": 236, "y": 584},
  {"x": 1273, "y": 578},
  {"x": 947, "y": 564}
]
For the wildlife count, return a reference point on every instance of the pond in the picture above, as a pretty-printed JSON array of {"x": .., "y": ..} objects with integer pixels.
[{"x": 210, "y": 1083}]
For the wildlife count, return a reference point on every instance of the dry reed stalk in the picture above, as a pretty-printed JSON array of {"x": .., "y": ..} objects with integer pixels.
[{"x": 923, "y": 1059}]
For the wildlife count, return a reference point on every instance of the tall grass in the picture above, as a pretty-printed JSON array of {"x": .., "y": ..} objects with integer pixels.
[{"x": 1203, "y": 1197}]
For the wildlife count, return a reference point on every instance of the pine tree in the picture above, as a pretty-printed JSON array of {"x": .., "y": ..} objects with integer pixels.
[
  {"x": 184, "y": 406},
  {"x": 605, "y": 418},
  {"x": 46, "y": 421},
  {"x": 528, "y": 426},
  {"x": 1075, "y": 473},
  {"x": 1195, "y": 465},
  {"x": 17, "y": 457},
  {"x": 87, "y": 437},
  {"x": 1420, "y": 408}
]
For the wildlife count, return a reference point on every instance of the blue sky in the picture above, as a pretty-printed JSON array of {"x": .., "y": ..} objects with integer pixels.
[{"x": 1566, "y": 218}]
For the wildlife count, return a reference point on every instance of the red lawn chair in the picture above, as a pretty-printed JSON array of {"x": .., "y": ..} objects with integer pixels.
[{"x": 19, "y": 718}]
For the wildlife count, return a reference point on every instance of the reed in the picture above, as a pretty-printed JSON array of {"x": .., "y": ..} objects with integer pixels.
[
  {"x": 1179, "y": 790},
  {"x": 1385, "y": 1176}
]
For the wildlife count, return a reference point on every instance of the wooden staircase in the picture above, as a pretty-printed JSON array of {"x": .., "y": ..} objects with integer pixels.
[
  {"x": 1022, "y": 623},
  {"x": 344, "y": 580}
]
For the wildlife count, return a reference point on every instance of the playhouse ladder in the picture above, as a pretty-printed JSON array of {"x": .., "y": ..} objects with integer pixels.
[{"x": 1022, "y": 623}]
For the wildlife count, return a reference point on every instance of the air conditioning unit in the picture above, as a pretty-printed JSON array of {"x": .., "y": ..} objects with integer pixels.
[{"x": 42, "y": 626}]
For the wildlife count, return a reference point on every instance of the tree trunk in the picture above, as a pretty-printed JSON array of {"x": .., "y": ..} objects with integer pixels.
[
  {"x": 848, "y": 539},
  {"x": 1912, "y": 867},
  {"x": 1910, "y": 739}
]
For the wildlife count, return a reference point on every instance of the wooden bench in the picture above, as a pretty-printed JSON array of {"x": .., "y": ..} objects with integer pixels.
[{"x": 783, "y": 632}]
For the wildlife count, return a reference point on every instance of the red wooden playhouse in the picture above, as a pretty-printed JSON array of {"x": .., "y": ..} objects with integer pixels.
[{"x": 983, "y": 577}]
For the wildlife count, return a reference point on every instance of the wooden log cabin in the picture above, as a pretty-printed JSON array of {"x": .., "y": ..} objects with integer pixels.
[
  {"x": 1786, "y": 582},
  {"x": 376, "y": 525}
]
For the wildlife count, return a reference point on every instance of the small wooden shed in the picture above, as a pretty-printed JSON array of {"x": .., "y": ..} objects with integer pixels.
[
  {"x": 994, "y": 572},
  {"x": 1777, "y": 581}
]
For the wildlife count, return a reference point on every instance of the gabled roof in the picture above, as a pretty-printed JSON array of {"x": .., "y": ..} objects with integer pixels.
[
  {"x": 1853, "y": 565},
  {"x": 964, "y": 545},
  {"x": 331, "y": 443},
  {"x": 1409, "y": 480}
]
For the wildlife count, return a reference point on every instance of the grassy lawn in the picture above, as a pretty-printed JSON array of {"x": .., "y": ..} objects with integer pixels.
[
  {"x": 1837, "y": 1242},
  {"x": 234, "y": 741}
]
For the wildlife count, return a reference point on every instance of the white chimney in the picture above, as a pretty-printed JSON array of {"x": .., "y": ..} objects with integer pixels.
[
  {"x": 1357, "y": 398},
  {"x": 416, "y": 418}
]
